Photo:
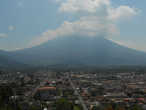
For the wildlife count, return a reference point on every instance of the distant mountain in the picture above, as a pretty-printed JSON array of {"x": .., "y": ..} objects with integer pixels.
[
  {"x": 80, "y": 50},
  {"x": 7, "y": 62}
]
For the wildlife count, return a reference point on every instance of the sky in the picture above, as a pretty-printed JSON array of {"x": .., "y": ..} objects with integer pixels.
[{"x": 27, "y": 23}]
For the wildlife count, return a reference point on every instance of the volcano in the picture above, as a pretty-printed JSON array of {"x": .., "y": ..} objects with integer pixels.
[{"x": 80, "y": 50}]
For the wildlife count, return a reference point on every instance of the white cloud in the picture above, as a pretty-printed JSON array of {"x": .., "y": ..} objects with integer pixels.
[
  {"x": 96, "y": 18},
  {"x": 3, "y": 35},
  {"x": 98, "y": 6},
  {"x": 119, "y": 42},
  {"x": 89, "y": 26},
  {"x": 131, "y": 44},
  {"x": 90, "y": 6},
  {"x": 122, "y": 12},
  {"x": 11, "y": 28}
]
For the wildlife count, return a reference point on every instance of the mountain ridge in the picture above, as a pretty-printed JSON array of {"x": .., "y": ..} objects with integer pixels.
[
  {"x": 80, "y": 50},
  {"x": 7, "y": 62}
]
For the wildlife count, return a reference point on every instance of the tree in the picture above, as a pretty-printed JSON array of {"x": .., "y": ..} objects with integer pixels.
[
  {"x": 136, "y": 107},
  {"x": 63, "y": 104},
  {"x": 97, "y": 108},
  {"x": 120, "y": 108},
  {"x": 109, "y": 107}
]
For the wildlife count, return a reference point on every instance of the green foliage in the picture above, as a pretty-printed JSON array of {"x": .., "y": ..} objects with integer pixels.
[
  {"x": 97, "y": 108},
  {"x": 120, "y": 108},
  {"x": 136, "y": 107},
  {"x": 64, "y": 104},
  {"x": 76, "y": 108},
  {"x": 34, "y": 108},
  {"x": 109, "y": 107}
]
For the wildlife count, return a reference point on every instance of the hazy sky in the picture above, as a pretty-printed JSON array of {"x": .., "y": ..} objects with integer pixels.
[{"x": 26, "y": 23}]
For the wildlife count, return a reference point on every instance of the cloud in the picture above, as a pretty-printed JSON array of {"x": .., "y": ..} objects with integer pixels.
[
  {"x": 131, "y": 44},
  {"x": 96, "y": 18},
  {"x": 86, "y": 26},
  {"x": 3, "y": 35},
  {"x": 98, "y": 6},
  {"x": 90, "y": 6},
  {"x": 122, "y": 12},
  {"x": 11, "y": 28}
]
